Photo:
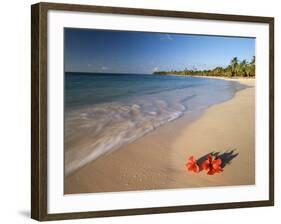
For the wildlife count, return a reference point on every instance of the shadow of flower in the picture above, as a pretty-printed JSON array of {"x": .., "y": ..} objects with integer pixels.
[{"x": 226, "y": 157}]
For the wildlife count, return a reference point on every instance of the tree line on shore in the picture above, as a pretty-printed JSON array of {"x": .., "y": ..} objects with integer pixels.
[{"x": 236, "y": 68}]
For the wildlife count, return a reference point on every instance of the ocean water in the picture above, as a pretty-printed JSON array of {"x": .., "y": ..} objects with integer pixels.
[{"x": 106, "y": 111}]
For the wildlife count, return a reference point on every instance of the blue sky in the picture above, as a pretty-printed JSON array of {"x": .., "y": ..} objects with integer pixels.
[{"x": 89, "y": 50}]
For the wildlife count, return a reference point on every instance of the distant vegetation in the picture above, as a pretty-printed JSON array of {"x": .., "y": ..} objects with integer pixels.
[{"x": 236, "y": 68}]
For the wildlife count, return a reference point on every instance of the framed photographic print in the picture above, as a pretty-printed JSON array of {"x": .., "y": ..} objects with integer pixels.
[{"x": 139, "y": 111}]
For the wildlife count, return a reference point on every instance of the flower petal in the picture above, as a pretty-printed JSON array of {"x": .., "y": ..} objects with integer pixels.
[{"x": 217, "y": 163}]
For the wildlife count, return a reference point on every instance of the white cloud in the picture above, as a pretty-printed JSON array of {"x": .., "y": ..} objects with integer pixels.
[
  {"x": 166, "y": 37},
  {"x": 155, "y": 69},
  {"x": 104, "y": 68}
]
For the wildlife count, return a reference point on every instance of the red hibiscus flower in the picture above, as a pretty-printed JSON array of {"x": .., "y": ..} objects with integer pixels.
[
  {"x": 212, "y": 165},
  {"x": 192, "y": 165}
]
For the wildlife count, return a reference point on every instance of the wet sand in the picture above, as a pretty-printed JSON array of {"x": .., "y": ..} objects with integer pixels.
[{"x": 157, "y": 160}]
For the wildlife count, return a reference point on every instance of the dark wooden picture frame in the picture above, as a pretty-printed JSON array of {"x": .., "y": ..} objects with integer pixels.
[{"x": 39, "y": 148}]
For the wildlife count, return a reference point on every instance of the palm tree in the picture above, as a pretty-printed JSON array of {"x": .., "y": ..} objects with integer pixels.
[
  {"x": 234, "y": 65},
  {"x": 252, "y": 66},
  {"x": 218, "y": 71},
  {"x": 242, "y": 68},
  {"x": 253, "y": 60}
]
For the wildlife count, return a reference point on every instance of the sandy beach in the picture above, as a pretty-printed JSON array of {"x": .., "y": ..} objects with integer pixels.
[{"x": 157, "y": 160}]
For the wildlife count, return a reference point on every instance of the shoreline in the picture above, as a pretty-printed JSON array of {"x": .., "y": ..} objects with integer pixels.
[
  {"x": 136, "y": 167},
  {"x": 225, "y": 77},
  {"x": 235, "y": 78}
]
